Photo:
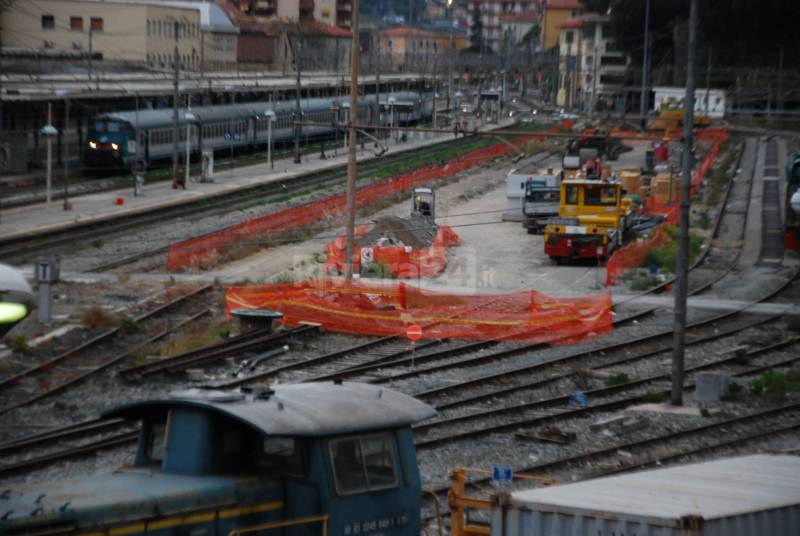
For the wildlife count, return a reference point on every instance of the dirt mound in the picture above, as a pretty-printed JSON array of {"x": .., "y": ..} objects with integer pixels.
[{"x": 417, "y": 232}]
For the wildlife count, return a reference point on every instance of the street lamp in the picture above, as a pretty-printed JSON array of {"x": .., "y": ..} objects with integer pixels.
[
  {"x": 48, "y": 131},
  {"x": 65, "y": 94},
  {"x": 794, "y": 202},
  {"x": 346, "y": 107},
  {"x": 270, "y": 115},
  {"x": 335, "y": 115},
  {"x": 392, "y": 102},
  {"x": 188, "y": 117}
]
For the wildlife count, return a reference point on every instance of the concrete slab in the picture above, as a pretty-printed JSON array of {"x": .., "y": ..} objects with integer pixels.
[{"x": 692, "y": 411}]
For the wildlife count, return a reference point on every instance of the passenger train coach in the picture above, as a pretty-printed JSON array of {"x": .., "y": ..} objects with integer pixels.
[{"x": 112, "y": 138}]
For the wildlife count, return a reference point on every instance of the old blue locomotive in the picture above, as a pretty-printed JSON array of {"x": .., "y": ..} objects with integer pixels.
[{"x": 296, "y": 460}]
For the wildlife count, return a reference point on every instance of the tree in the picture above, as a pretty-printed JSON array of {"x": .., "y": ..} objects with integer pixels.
[{"x": 476, "y": 29}]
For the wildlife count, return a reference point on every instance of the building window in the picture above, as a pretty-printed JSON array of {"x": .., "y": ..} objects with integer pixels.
[
  {"x": 97, "y": 24},
  {"x": 48, "y": 22},
  {"x": 76, "y": 24}
]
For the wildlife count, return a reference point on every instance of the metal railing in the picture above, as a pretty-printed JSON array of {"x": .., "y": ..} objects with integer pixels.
[{"x": 281, "y": 524}]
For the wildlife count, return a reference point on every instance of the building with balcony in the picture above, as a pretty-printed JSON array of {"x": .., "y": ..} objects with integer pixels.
[
  {"x": 502, "y": 20},
  {"x": 592, "y": 69}
]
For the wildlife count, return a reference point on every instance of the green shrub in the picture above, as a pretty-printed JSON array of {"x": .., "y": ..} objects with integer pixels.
[
  {"x": 128, "y": 325},
  {"x": 18, "y": 344},
  {"x": 654, "y": 397},
  {"x": 644, "y": 283},
  {"x": 617, "y": 379},
  {"x": 666, "y": 257},
  {"x": 773, "y": 385}
]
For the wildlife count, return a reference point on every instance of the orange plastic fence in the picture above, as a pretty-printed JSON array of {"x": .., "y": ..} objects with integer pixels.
[
  {"x": 382, "y": 310},
  {"x": 633, "y": 254},
  {"x": 398, "y": 261},
  {"x": 258, "y": 231}
]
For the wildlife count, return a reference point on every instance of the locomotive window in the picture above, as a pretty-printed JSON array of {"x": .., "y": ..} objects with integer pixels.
[
  {"x": 283, "y": 455},
  {"x": 364, "y": 463},
  {"x": 571, "y": 195},
  {"x": 113, "y": 127},
  {"x": 156, "y": 439},
  {"x": 601, "y": 196}
]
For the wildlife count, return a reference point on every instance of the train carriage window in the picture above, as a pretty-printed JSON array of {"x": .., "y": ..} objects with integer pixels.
[{"x": 364, "y": 463}]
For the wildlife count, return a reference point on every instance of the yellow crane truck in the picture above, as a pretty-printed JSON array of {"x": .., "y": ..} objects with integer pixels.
[{"x": 592, "y": 219}]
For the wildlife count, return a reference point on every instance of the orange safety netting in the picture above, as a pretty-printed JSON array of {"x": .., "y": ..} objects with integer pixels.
[
  {"x": 401, "y": 262},
  {"x": 632, "y": 255},
  {"x": 383, "y": 310},
  {"x": 258, "y": 231}
]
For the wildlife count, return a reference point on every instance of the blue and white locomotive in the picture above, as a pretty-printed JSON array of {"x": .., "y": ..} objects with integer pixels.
[
  {"x": 293, "y": 460},
  {"x": 112, "y": 137}
]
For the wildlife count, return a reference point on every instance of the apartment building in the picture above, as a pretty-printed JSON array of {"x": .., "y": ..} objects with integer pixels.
[
  {"x": 137, "y": 32},
  {"x": 416, "y": 49},
  {"x": 501, "y": 19},
  {"x": 332, "y": 12},
  {"x": 591, "y": 69}
]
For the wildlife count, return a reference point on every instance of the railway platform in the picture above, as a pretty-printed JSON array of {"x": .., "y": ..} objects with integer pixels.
[{"x": 41, "y": 218}]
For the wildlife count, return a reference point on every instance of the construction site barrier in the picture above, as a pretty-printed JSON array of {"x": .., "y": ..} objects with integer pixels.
[
  {"x": 632, "y": 255},
  {"x": 399, "y": 262},
  {"x": 209, "y": 249},
  {"x": 377, "y": 309}
]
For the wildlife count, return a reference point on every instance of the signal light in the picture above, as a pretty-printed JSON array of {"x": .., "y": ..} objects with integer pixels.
[{"x": 12, "y": 312}]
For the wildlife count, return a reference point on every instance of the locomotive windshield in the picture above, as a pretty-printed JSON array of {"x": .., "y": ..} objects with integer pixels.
[{"x": 110, "y": 127}]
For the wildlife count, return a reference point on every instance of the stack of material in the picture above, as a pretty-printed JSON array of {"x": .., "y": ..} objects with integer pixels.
[
  {"x": 665, "y": 188},
  {"x": 631, "y": 179},
  {"x": 417, "y": 232}
]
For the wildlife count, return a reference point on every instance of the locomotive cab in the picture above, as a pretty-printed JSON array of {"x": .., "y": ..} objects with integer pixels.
[{"x": 297, "y": 460}]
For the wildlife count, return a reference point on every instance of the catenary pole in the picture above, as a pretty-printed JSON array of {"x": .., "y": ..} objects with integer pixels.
[
  {"x": 351, "y": 161},
  {"x": 645, "y": 63},
  {"x": 682, "y": 269},
  {"x": 176, "y": 181}
]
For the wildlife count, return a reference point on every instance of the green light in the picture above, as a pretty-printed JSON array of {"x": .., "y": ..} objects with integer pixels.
[{"x": 12, "y": 312}]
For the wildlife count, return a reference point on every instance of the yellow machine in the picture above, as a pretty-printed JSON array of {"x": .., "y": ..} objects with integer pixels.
[
  {"x": 593, "y": 217},
  {"x": 670, "y": 119}
]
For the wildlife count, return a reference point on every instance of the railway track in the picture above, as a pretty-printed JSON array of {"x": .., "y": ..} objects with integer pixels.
[
  {"x": 389, "y": 355},
  {"x": 69, "y": 368},
  {"x": 19, "y": 248}
]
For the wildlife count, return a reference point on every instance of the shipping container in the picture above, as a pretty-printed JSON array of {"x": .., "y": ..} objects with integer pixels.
[{"x": 753, "y": 495}]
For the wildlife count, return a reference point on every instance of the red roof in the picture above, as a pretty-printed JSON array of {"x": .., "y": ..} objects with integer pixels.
[
  {"x": 527, "y": 16},
  {"x": 576, "y": 22},
  {"x": 564, "y": 4}
]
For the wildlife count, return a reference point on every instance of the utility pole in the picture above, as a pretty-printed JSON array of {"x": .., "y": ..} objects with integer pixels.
[
  {"x": 298, "y": 111},
  {"x": 708, "y": 79},
  {"x": 91, "y": 32},
  {"x": 682, "y": 269},
  {"x": 176, "y": 99},
  {"x": 67, "y": 205},
  {"x": 351, "y": 161},
  {"x": 450, "y": 53},
  {"x": 2, "y": 133},
  {"x": 645, "y": 63},
  {"x": 780, "y": 82}
]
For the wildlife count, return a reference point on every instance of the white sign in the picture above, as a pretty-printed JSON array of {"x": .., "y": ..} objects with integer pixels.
[
  {"x": 367, "y": 255},
  {"x": 573, "y": 229}
]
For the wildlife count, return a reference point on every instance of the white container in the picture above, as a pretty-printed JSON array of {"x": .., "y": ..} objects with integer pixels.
[{"x": 751, "y": 495}]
